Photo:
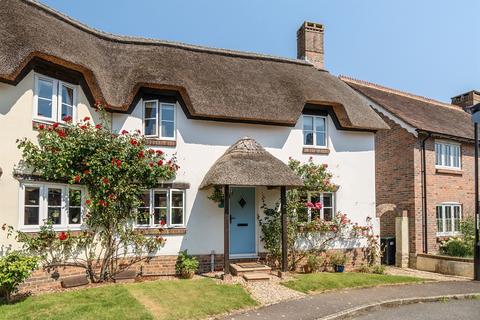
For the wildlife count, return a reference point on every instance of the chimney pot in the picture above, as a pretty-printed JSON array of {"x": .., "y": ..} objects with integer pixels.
[{"x": 310, "y": 44}]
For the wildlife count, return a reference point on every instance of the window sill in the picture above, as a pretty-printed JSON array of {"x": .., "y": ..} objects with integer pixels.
[
  {"x": 457, "y": 172},
  {"x": 316, "y": 150},
  {"x": 36, "y": 230},
  {"x": 158, "y": 231},
  {"x": 445, "y": 236},
  {"x": 160, "y": 142}
]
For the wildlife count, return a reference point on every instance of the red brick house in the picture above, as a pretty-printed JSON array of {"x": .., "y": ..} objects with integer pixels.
[{"x": 424, "y": 164}]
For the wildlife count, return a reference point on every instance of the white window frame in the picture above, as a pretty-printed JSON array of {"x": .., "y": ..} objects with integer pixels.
[
  {"x": 169, "y": 210},
  {"x": 321, "y": 195},
  {"x": 56, "y": 99},
  {"x": 452, "y": 145},
  {"x": 43, "y": 206},
  {"x": 315, "y": 145},
  {"x": 160, "y": 120},
  {"x": 157, "y": 126},
  {"x": 452, "y": 205}
]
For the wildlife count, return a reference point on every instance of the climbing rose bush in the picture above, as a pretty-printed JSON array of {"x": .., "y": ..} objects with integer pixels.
[{"x": 115, "y": 170}]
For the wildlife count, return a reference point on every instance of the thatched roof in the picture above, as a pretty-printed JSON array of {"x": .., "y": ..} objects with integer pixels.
[
  {"x": 422, "y": 113},
  {"x": 213, "y": 83},
  {"x": 247, "y": 163}
]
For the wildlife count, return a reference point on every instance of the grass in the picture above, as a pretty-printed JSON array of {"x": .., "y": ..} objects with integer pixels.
[
  {"x": 324, "y": 281},
  {"x": 184, "y": 299}
]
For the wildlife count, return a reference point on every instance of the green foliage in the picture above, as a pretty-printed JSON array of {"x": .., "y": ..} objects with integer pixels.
[
  {"x": 115, "y": 170},
  {"x": 378, "y": 269},
  {"x": 187, "y": 265},
  {"x": 217, "y": 195},
  {"x": 15, "y": 268},
  {"x": 337, "y": 259},
  {"x": 462, "y": 246},
  {"x": 314, "y": 263}
]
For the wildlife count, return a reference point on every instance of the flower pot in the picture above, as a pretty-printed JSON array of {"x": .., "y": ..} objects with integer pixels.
[
  {"x": 339, "y": 268},
  {"x": 221, "y": 205},
  {"x": 186, "y": 274}
]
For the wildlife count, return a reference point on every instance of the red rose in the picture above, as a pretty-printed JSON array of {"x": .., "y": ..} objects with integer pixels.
[
  {"x": 61, "y": 133},
  {"x": 88, "y": 202},
  {"x": 105, "y": 181},
  {"x": 151, "y": 151},
  {"x": 98, "y": 126},
  {"x": 62, "y": 236},
  {"x": 160, "y": 162},
  {"x": 141, "y": 154},
  {"x": 151, "y": 164},
  {"x": 83, "y": 127},
  {"x": 41, "y": 127},
  {"x": 133, "y": 142},
  {"x": 86, "y": 172},
  {"x": 98, "y": 103},
  {"x": 162, "y": 222},
  {"x": 159, "y": 152},
  {"x": 103, "y": 203},
  {"x": 55, "y": 125},
  {"x": 77, "y": 179},
  {"x": 310, "y": 205},
  {"x": 86, "y": 118},
  {"x": 67, "y": 118},
  {"x": 119, "y": 163},
  {"x": 124, "y": 132}
]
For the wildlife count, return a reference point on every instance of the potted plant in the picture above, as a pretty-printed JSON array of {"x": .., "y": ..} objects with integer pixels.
[
  {"x": 338, "y": 260},
  {"x": 217, "y": 196},
  {"x": 186, "y": 265}
]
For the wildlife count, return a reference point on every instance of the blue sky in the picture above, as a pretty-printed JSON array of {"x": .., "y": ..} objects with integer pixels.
[{"x": 427, "y": 47}]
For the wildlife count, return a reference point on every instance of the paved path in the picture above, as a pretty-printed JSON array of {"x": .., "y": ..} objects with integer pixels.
[
  {"x": 321, "y": 305},
  {"x": 453, "y": 309}
]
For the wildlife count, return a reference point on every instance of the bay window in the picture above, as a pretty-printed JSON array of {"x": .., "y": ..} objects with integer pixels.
[
  {"x": 161, "y": 207},
  {"x": 53, "y": 99},
  {"x": 60, "y": 205}
]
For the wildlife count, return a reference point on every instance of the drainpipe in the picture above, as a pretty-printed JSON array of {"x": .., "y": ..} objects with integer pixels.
[{"x": 424, "y": 193}]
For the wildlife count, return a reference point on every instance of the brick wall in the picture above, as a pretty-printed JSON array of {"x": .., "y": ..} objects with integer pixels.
[{"x": 394, "y": 163}]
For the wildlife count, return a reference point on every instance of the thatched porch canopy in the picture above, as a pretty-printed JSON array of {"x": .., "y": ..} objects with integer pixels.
[{"x": 247, "y": 163}]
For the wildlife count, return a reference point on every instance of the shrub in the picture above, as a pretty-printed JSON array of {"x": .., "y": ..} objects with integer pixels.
[
  {"x": 461, "y": 246},
  {"x": 314, "y": 263},
  {"x": 364, "y": 268},
  {"x": 186, "y": 265},
  {"x": 337, "y": 259},
  {"x": 378, "y": 269},
  {"x": 15, "y": 267}
]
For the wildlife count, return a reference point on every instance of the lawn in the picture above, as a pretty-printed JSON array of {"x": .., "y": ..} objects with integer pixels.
[
  {"x": 323, "y": 281},
  {"x": 175, "y": 299}
]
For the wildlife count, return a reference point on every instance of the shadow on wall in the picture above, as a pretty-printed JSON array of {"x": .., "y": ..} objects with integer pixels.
[{"x": 10, "y": 95}]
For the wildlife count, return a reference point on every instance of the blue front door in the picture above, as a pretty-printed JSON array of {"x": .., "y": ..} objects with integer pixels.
[{"x": 242, "y": 220}]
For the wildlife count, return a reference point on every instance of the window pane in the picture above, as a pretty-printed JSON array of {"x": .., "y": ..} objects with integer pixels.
[
  {"x": 55, "y": 215},
  {"x": 327, "y": 214},
  {"x": 448, "y": 219},
  {"x": 456, "y": 156},
  {"x": 45, "y": 89},
  {"x": 168, "y": 112},
  {"x": 32, "y": 196},
  {"x": 44, "y": 108},
  {"x": 177, "y": 199},
  {"x": 320, "y": 139},
  {"x": 327, "y": 200},
  {"x": 456, "y": 215},
  {"x": 143, "y": 216},
  {"x": 31, "y": 216},
  {"x": 74, "y": 215},
  {"x": 438, "y": 154},
  {"x": 160, "y": 199},
  {"x": 447, "y": 149},
  {"x": 54, "y": 197},
  {"x": 150, "y": 110},
  {"x": 67, "y": 95},
  {"x": 439, "y": 219},
  {"x": 308, "y": 138},
  {"x": 67, "y": 111},
  {"x": 150, "y": 127},
  {"x": 75, "y": 198},
  {"x": 320, "y": 124},
  {"x": 307, "y": 123},
  {"x": 160, "y": 216},
  {"x": 168, "y": 129},
  {"x": 177, "y": 216}
]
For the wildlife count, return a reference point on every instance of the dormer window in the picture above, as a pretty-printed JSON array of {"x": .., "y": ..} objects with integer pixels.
[
  {"x": 54, "y": 99},
  {"x": 315, "y": 131},
  {"x": 159, "y": 119}
]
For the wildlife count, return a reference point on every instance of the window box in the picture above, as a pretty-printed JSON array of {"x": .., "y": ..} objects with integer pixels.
[{"x": 323, "y": 151}]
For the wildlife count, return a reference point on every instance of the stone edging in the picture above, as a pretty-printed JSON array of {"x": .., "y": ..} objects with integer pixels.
[{"x": 346, "y": 314}]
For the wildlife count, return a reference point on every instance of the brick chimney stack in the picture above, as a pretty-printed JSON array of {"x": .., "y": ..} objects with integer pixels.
[
  {"x": 467, "y": 99},
  {"x": 310, "y": 43}
]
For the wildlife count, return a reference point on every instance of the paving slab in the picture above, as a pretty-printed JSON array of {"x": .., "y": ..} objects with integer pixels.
[{"x": 321, "y": 305}]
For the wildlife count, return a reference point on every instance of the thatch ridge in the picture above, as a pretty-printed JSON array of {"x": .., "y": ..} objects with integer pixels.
[
  {"x": 247, "y": 163},
  {"x": 215, "y": 83}
]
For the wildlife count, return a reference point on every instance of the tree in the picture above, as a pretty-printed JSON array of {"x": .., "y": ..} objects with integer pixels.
[{"x": 115, "y": 170}]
